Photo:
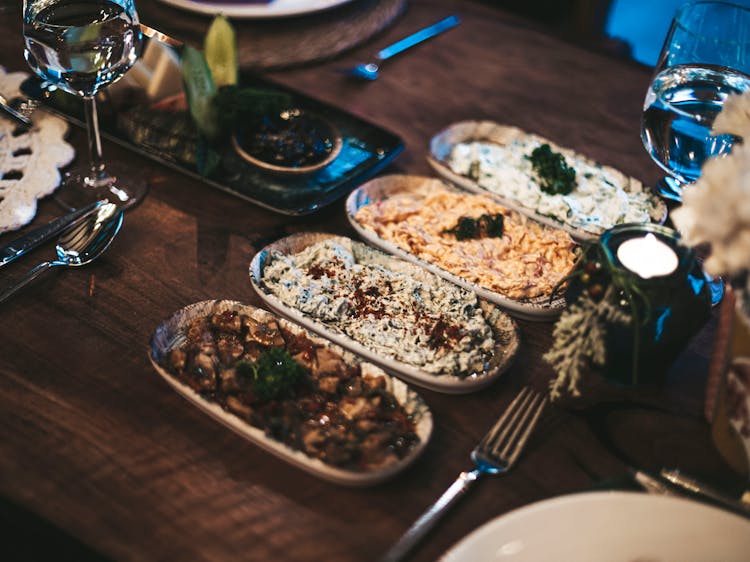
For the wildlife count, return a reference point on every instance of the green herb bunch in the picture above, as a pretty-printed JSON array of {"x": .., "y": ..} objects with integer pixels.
[
  {"x": 486, "y": 226},
  {"x": 274, "y": 374},
  {"x": 218, "y": 104},
  {"x": 554, "y": 174}
]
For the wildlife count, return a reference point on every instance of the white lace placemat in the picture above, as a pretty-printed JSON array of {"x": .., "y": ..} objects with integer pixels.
[{"x": 30, "y": 161}]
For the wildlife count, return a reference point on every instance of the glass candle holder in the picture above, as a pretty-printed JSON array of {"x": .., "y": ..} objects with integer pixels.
[{"x": 659, "y": 297}]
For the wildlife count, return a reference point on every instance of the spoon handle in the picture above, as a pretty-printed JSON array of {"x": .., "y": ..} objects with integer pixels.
[
  {"x": 25, "y": 280},
  {"x": 418, "y": 37}
]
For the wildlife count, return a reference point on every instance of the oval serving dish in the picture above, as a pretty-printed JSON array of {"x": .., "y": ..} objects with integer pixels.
[
  {"x": 171, "y": 334},
  {"x": 502, "y": 347},
  {"x": 508, "y": 191},
  {"x": 297, "y": 142},
  {"x": 416, "y": 189}
]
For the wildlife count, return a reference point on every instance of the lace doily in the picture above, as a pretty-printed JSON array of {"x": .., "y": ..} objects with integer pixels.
[{"x": 30, "y": 161}]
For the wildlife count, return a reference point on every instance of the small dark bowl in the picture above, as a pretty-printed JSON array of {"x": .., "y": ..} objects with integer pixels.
[{"x": 294, "y": 142}]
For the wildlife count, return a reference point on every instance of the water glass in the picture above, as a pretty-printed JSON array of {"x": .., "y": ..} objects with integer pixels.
[{"x": 705, "y": 58}]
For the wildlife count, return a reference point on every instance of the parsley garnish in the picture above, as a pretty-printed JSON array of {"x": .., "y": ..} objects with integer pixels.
[
  {"x": 486, "y": 226},
  {"x": 273, "y": 375},
  {"x": 553, "y": 173}
]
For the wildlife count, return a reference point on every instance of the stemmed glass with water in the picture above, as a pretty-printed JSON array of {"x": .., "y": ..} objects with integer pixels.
[
  {"x": 83, "y": 46},
  {"x": 705, "y": 58}
]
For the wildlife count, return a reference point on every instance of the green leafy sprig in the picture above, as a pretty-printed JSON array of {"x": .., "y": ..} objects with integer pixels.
[
  {"x": 273, "y": 375},
  {"x": 237, "y": 107}
]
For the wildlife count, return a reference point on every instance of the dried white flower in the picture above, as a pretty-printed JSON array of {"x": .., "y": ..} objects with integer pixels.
[
  {"x": 734, "y": 118},
  {"x": 716, "y": 210}
]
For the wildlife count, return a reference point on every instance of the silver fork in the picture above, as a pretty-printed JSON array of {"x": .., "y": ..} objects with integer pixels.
[{"x": 496, "y": 453}]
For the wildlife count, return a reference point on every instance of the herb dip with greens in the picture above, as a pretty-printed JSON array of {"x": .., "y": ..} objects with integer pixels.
[{"x": 600, "y": 196}]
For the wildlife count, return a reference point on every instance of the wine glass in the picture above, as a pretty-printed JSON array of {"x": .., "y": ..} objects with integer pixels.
[
  {"x": 705, "y": 58},
  {"x": 82, "y": 46}
]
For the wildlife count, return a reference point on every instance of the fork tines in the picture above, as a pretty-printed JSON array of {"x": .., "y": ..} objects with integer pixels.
[{"x": 505, "y": 440}]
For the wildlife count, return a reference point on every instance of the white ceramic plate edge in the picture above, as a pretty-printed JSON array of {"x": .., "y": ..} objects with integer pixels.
[
  {"x": 518, "y": 534},
  {"x": 282, "y": 451},
  {"x": 272, "y": 9},
  {"x": 515, "y": 308},
  {"x": 439, "y": 383}
]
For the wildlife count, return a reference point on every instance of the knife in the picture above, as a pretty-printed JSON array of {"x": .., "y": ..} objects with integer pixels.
[
  {"x": 701, "y": 489},
  {"x": 32, "y": 239},
  {"x": 674, "y": 483}
]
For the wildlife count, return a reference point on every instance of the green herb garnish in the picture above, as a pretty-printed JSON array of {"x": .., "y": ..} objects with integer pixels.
[
  {"x": 553, "y": 173},
  {"x": 486, "y": 226},
  {"x": 237, "y": 107},
  {"x": 273, "y": 375}
]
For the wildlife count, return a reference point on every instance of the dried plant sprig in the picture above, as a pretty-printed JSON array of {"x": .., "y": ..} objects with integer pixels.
[{"x": 580, "y": 340}]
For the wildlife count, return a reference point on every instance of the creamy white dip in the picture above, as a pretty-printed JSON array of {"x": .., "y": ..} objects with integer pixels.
[
  {"x": 430, "y": 324},
  {"x": 602, "y": 198}
]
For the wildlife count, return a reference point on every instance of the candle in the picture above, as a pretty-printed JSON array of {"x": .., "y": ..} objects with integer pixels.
[{"x": 647, "y": 256}]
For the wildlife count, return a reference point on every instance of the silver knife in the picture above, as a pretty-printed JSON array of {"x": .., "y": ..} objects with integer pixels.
[
  {"x": 32, "y": 239},
  {"x": 673, "y": 483},
  {"x": 701, "y": 489}
]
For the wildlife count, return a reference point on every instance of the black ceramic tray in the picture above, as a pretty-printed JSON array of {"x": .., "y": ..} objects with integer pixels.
[{"x": 366, "y": 149}]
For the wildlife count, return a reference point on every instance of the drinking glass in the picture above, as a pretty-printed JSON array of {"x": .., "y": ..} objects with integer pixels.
[
  {"x": 83, "y": 46},
  {"x": 705, "y": 58}
]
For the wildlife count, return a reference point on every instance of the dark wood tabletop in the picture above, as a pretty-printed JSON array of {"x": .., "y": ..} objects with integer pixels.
[{"x": 98, "y": 446}]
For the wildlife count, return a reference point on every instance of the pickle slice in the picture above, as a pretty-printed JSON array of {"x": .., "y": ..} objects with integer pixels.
[{"x": 221, "y": 52}]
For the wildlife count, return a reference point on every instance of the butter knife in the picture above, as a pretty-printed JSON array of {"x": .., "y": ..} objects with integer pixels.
[{"x": 32, "y": 239}]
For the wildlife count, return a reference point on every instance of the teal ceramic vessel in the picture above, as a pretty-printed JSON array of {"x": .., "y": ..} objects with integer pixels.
[{"x": 665, "y": 311}]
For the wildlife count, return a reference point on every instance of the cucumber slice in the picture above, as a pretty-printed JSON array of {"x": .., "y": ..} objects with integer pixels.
[
  {"x": 200, "y": 90},
  {"x": 220, "y": 47}
]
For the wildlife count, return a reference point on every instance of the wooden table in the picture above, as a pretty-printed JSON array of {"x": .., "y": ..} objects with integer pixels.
[{"x": 97, "y": 445}]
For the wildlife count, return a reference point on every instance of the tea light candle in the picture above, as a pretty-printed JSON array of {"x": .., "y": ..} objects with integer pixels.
[{"x": 647, "y": 256}]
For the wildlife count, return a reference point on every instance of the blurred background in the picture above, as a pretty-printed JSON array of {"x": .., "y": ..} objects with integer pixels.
[{"x": 628, "y": 28}]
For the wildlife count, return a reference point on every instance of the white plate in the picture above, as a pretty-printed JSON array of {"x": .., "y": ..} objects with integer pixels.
[
  {"x": 442, "y": 144},
  {"x": 504, "y": 328},
  {"x": 169, "y": 333},
  {"x": 539, "y": 308},
  {"x": 272, "y": 9},
  {"x": 609, "y": 527}
]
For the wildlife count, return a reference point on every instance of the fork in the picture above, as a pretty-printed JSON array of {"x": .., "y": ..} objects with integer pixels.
[{"x": 496, "y": 453}]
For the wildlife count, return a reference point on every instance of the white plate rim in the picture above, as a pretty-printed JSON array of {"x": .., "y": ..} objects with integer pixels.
[
  {"x": 446, "y": 384},
  {"x": 272, "y": 9},
  {"x": 276, "y": 448},
  {"x": 373, "y": 190},
  {"x": 436, "y": 159},
  {"x": 464, "y": 550}
]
